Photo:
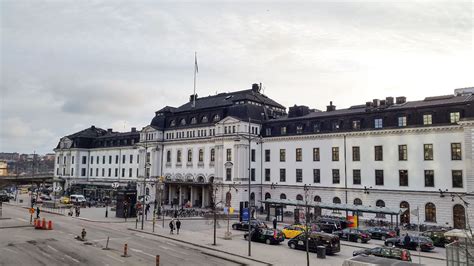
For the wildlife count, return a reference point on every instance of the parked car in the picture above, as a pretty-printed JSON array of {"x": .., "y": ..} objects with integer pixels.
[
  {"x": 381, "y": 233},
  {"x": 331, "y": 242},
  {"x": 354, "y": 235},
  {"x": 244, "y": 225},
  {"x": 425, "y": 243},
  {"x": 4, "y": 197},
  {"x": 266, "y": 235},
  {"x": 64, "y": 200},
  {"x": 386, "y": 252},
  {"x": 329, "y": 225},
  {"x": 77, "y": 199},
  {"x": 45, "y": 197},
  {"x": 438, "y": 237},
  {"x": 291, "y": 231}
]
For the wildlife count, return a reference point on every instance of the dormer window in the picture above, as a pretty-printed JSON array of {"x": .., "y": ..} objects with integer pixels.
[
  {"x": 193, "y": 120},
  {"x": 216, "y": 118},
  {"x": 454, "y": 117},
  {"x": 378, "y": 123},
  {"x": 204, "y": 119},
  {"x": 335, "y": 125},
  {"x": 299, "y": 129},
  {"x": 356, "y": 124},
  {"x": 316, "y": 127},
  {"x": 427, "y": 119},
  {"x": 283, "y": 130},
  {"x": 172, "y": 123},
  {"x": 182, "y": 122}
]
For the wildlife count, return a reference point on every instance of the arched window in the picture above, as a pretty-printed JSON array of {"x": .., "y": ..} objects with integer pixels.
[
  {"x": 282, "y": 196},
  {"x": 201, "y": 155},
  {"x": 211, "y": 179},
  {"x": 268, "y": 196},
  {"x": 204, "y": 119},
  {"x": 336, "y": 200},
  {"x": 405, "y": 216},
  {"x": 317, "y": 198},
  {"x": 252, "y": 199},
  {"x": 168, "y": 156},
  {"x": 147, "y": 191},
  {"x": 178, "y": 156},
  {"x": 299, "y": 197},
  {"x": 190, "y": 156},
  {"x": 172, "y": 123},
  {"x": 193, "y": 120},
  {"x": 430, "y": 212},
  {"x": 182, "y": 122},
  {"x": 200, "y": 179},
  {"x": 459, "y": 217},
  {"x": 213, "y": 155},
  {"x": 216, "y": 118},
  {"x": 380, "y": 203},
  {"x": 357, "y": 201}
]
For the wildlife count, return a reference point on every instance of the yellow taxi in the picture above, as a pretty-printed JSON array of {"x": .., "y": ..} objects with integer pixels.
[
  {"x": 291, "y": 231},
  {"x": 64, "y": 200}
]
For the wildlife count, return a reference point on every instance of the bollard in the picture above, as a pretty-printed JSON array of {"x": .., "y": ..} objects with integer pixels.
[
  {"x": 157, "y": 260},
  {"x": 44, "y": 224},
  {"x": 107, "y": 244},
  {"x": 50, "y": 225},
  {"x": 125, "y": 251}
]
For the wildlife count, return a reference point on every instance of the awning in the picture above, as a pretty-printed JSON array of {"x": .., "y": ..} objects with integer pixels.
[{"x": 334, "y": 206}]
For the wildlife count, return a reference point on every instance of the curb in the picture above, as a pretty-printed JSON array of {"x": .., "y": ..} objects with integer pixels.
[
  {"x": 16, "y": 226},
  {"x": 412, "y": 254},
  {"x": 201, "y": 246}
]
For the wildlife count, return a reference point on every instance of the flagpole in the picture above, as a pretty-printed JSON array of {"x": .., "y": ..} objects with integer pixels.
[
  {"x": 419, "y": 247},
  {"x": 195, "y": 70}
]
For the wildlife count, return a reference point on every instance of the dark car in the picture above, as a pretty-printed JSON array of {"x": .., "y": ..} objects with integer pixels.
[
  {"x": 329, "y": 225},
  {"x": 4, "y": 197},
  {"x": 331, "y": 242},
  {"x": 244, "y": 225},
  {"x": 354, "y": 235},
  {"x": 438, "y": 237},
  {"x": 266, "y": 235},
  {"x": 391, "y": 253},
  {"x": 381, "y": 233},
  {"x": 425, "y": 244}
]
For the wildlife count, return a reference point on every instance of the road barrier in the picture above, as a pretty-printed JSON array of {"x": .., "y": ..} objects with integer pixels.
[
  {"x": 107, "y": 245},
  {"x": 41, "y": 224}
]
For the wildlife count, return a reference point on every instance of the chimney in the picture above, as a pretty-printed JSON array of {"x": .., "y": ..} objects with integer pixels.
[
  {"x": 255, "y": 87},
  {"x": 192, "y": 97},
  {"x": 401, "y": 100},
  {"x": 92, "y": 127},
  {"x": 330, "y": 107},
  {"x": 109, "y": 130},
  {"x": 134, "y": 129},
  {"x": 376, "y": 102},
  {"x": 389, "y": 101},
  {"x": 368, "y": 104}
]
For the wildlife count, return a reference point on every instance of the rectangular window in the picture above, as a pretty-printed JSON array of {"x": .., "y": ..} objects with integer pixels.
[
  {"x": 267, "y": 174},
  {"x": 72, "y": 171},
  {"x": 336, "y": 178},
  {"x": 116, "y": 172},
  {"x": 116, "y": 159},
  {"x": 379, "y": 177},
  {"x": 402, "y": 153},
  {"x": 148, "y": 157},
  {"x": 97, "y": 160},
  {"x": 131, "y": 158},
  {"x": 402, "y": 121},
  {"x": 457, "y": 179},
  {"x": 103, "y": 172},
  {"x": 92, "y": 159},
  {"x": 429, "y": 178},
  {"x": 253, "y": 155},
  {"x": 316, "y": 175},
  {"x": 123, "y": 158},
  {"x": 403, "y": 178},
  {"x": 229, "y": 155},
  {"x": 335, "y": 154},
  {"x": 72, "y": 159},
  {"x": 316, "y": 154},
  {"x": 129, "y": 172},
  {"x": 97, "y": 172},
  {"x": 228, "y": 174},
  {"x": 283, "y": 130},
  {"x": 454, "y": 117},
  {"x": 428, "y": 152},
  {"x": 378, "y": 123},
  {"x": 299, "y": 154},
  {"x": 91, "y": 171},
  {"x": 83, "y": 171},
  {"x": 299, "y": 175},
  {"x": 356, "y": 124},
  {"x": 378, "y": 153},
  {"x": 138, "y": 159},
  {"x": 356, "y": 153},
  {"x": 282, "y": 155},
  {"x": 123, "y": 172},
  {"x": 356, "y": 179},
  {"x": 84, "y": 159},
  {"x": 110, "y": 172},
  {"x": 268, "y": 131},
  {"x": 282, "y": 175},
  {"x": 427, "y": 119},
  {"x": 456, "y": 151},
  {"x": 110, "y": 159},
  {"x": 213, "y": 155},
  {"x": 252, "y": 174},
  {"x": 267, "y": 155}
]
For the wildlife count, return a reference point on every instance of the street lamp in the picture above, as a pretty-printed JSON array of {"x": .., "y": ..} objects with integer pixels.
[
  {"x": 145, "y": 175},
  {"x": 306, "y": 189}
]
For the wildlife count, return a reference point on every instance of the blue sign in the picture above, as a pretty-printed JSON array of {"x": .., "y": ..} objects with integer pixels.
[{"x": 245, "y": 214}]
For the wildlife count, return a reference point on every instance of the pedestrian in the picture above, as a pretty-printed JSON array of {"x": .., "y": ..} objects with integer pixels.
[
  {"x": 71, "y": 211},
  {"x": 171, "y": 226},
  {"x": 147, "y": 210},
  {"x": 178, "y": 225},
  {"x": 37, "y": 212},
  {"x": 406, "y": 240},
  {"x": 78, "y": 211},
  {"x": 275, "y": 223}
]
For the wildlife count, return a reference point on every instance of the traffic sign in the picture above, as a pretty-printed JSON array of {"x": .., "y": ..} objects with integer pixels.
[
  {"x": 245, "y": 214},
  {"x": 115, "y": 185},
  {"x": 58, "y": 188},
  {"x": 32, "y": 210}
]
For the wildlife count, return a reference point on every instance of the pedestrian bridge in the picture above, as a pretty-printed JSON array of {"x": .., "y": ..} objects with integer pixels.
[{"x": 26, "y": 179}]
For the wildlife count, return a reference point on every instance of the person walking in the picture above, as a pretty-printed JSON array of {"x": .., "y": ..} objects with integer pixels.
[
  {"x": 78, "y": 211},
  {"x": 147, "y": 210},
  {"x": 171, "y": 226},
  {"x": 178, "y": 225},
  {"x": 275, "y": 223},
  {"x": 37, "y": 212},
  {"x": 406, "y": 240}
]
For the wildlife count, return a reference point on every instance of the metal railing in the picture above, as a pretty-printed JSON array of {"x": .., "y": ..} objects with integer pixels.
[{"x": 460, "y": 253}]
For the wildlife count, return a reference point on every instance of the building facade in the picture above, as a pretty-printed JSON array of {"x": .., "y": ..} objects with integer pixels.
[{"x": 386, "y": 153}]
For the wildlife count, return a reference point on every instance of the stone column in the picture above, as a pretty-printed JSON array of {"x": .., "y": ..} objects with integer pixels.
[
  {"x": 203, "y": 197},
  {"x": 170, "y": 194},
  {"x": 192, "y": 196},
  {"x": 180, "y": 197}
]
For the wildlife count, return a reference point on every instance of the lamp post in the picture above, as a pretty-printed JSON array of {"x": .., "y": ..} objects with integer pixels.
[
  {"x": 306, "y": 189},
  {"x": 145, "y": 175}
]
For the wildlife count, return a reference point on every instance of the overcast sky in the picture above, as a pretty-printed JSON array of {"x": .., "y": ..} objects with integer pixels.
[{"x": 67, "y": 65}]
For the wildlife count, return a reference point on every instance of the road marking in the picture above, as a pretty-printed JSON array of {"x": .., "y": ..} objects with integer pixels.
[
  {"x": 71, "y": 258},
  {"x": 171, "y": 244},
  {"x": 112, "y": 257},
  {"x": 10, "y": 250},
  {"x": 21, "y": 219},
  {"x": 140, "y": 251},
  {"x": 167, "y": 248},
  {"x": 52, "y": 248}
]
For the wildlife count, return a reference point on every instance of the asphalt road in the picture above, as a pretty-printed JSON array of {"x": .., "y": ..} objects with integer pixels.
[{"x": 27, "y": 246}]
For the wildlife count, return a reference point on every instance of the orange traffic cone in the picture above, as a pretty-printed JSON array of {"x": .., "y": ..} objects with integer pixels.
[
  {"x": 44, "y": 224},
  {"x": 50, "y": 225}
]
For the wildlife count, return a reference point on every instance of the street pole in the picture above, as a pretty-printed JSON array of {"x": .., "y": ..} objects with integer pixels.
[
  {"x": 144, "y": 182},
  {"x": 306, "y": 223},
  {"x": 250, "y": 173}
]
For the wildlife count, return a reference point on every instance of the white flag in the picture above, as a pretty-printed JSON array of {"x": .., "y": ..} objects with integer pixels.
[{"x": 415, "y": 212}]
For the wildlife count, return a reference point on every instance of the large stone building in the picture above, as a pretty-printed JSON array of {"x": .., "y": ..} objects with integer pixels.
[{"x": 389, "y": 152}]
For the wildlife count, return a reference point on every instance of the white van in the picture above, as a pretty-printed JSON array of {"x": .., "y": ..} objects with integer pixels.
[{"x": 77, "y": 199}]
